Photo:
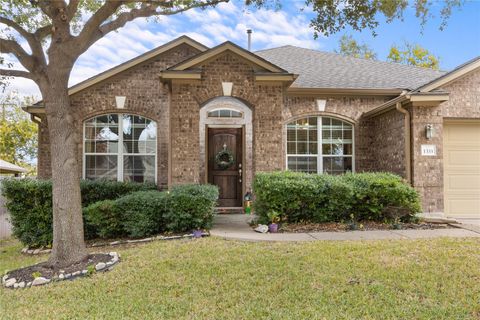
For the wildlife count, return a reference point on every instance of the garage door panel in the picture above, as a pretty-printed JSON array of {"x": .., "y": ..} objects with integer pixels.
[
  {"x": 462, "y": 169},
  {"x": 462, "y": 133},
  {"x": 464, "y": 182},
  {"x": 463, "y": 207},
  {"x": 463, "y": 157}
]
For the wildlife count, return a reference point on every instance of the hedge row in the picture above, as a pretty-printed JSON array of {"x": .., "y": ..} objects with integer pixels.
[
  {"x": 145, "y": 213},
  {"x": 327, "y": 198},
  {"x": 29, "y": 203}
]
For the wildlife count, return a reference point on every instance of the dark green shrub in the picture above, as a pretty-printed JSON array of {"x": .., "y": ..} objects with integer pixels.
[
  {"x": 382, "y": 197},
  {"x": 97, "y": 190},
  {"x": 142, "y": 213},
  {"x": 321, "y": 198},
  {"x": 190, "y": 207},
  {"x": 146, "y": 213},
  {"x": 29, "y": 203},
  {"x": 103, "y": 219}
]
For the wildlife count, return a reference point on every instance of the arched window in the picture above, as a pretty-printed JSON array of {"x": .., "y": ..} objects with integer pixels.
[
  {"x": 320, "y": 145},
  {"x": 224, "y": 113},
  {"x": 120, "y": 147}
]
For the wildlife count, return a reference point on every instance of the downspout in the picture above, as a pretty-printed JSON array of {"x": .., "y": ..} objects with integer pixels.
[{"x": 408, "y": 153}]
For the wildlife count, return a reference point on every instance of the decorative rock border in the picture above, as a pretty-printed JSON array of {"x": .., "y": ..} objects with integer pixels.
[
  {"x": 118, "y": 242},
  {"x": 12, "y": 283}
]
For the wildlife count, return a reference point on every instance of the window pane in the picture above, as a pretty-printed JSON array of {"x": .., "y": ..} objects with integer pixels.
[
  {"x": 347, "y": 149},
  {"x": 102, "y": 137},
  {"x": 302, "y": 135},
  {"x": 337, "y": 165},
  {"x": 101, "y": 167},
  {"x": 327, "y": 148},
  {"x": 302, "y": 164},
  {"x": 302, "y": 148},
  {"x": 139, "y": 168},
  {"x": 291, "y": 148},
  {"x": 291, "y": 134}
]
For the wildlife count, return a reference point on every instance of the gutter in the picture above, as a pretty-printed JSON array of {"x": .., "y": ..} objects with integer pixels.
[{"x": 408, "y": 150}]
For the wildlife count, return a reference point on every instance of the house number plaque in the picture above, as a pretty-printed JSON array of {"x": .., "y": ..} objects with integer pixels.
[{"x": 429, "y": 150}]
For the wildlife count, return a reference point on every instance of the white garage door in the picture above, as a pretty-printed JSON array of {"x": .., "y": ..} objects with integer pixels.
[{"x": 462, "y": 169}]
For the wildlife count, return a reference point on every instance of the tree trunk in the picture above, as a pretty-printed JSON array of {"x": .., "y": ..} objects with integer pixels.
[{"x": 68, "y": 237}]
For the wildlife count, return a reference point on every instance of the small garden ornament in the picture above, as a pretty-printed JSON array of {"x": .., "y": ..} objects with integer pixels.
[{"x": 274, "y": 217}]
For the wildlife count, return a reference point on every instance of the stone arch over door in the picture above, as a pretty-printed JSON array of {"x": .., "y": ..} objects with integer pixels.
[{"x": 245, "y": 122}]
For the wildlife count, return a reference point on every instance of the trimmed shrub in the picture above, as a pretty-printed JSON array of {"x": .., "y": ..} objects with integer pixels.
[
  {"x": 145, "y": 213},
  {"x": 191, "y": 207},
  {"x": 29, "y": 203},
  {"x": 103, "y": 219},
  {"x": 142, "y": 213},
  {"x": 321, "y": 198}
]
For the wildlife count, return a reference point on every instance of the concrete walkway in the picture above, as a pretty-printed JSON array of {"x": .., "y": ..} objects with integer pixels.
[{"x": 235, "y": 227}]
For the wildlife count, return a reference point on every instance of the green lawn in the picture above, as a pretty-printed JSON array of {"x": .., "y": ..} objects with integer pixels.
[{"x": 216, "y": 279}]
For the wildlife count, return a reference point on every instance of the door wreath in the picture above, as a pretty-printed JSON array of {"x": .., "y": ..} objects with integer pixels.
[{"x": 224, "y": 159}]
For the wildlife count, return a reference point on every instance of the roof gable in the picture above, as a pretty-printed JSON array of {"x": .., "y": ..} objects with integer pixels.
[
  {"x": 451, "y": 76},
  {"x": 224, "y": 47},
  {"x": 136, "y": 61}
]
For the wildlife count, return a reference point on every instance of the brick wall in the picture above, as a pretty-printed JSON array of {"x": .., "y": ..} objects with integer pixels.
[{"x": 464, "y": 97}]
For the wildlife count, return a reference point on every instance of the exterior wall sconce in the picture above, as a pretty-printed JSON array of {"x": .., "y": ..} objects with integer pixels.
[
  {"x": 321, "y": 104},
  {"x": 120, "y": 101},
  {"x": 429, "y": 131}
]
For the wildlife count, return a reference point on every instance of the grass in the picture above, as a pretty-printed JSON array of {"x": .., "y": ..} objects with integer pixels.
[{"x": 216, "y": 279}]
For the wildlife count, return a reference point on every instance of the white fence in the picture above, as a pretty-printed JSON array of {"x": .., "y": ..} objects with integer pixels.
[{"x": 5, "y": 227}]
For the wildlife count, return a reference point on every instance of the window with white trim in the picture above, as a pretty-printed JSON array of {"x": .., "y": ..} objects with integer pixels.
[
  {"x": 120, "y": 147},
  {"x": 320, "y": 145}
]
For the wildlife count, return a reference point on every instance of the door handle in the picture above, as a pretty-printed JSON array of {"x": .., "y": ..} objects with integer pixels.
[{"x": 240, "y": 172}]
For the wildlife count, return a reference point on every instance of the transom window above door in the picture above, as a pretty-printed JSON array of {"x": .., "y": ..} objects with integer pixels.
[
  {"x": 320, "y": 145},
  {"x": 224, "y": 113},
  {"x": 120, "y": 147}
]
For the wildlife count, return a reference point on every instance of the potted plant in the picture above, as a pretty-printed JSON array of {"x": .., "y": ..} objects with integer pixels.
[{"x": 274, "y": 218}]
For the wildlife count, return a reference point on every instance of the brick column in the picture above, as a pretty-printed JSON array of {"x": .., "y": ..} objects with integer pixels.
[{"x": 427, "y": 171}]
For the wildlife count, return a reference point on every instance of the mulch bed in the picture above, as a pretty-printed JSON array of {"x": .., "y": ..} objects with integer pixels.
[
  {"x": 362, "y": 226},
  {"x": 46, "y": 271}
]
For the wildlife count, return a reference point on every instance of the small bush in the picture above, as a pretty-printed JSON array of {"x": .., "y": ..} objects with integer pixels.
[
  {"x": 29, "y": 203},
  {"x": 103, "y": 219},
  {"x": 321, "y": 198},
  {"x": 191, "y": 207},
  {"x": 142, "y": 213}
]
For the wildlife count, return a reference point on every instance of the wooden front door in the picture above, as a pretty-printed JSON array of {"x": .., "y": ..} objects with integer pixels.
[{"x": 228, "y": 177}]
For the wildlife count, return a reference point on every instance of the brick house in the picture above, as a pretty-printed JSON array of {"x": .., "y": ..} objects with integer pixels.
[{"x": 184, "y": 113}]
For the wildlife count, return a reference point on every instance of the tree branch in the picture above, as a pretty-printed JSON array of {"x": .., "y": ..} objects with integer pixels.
[
  {"x": 72, "y": 9},
  {"x": 11, "y": 46},
  {"x": 34, "y": 42},
  {"x": 96, "y": 30},
  {"x": 16, "y": 73}
]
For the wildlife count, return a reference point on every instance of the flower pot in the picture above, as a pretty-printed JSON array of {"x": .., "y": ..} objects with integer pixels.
[
  {"x": 197, "y": 233},
  {"x": 273, "y": 228}
]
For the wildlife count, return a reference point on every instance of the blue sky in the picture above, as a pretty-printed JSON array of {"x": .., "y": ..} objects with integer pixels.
[{"x": 459, "y": 42}]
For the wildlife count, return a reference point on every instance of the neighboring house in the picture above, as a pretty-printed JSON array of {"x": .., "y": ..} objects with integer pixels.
[
  {"x": 7, "y": 169},
  {"x": 177, "y": 113}
]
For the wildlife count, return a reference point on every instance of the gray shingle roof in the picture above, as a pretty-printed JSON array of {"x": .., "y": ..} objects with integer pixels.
[{"x": 318, "y": 69}]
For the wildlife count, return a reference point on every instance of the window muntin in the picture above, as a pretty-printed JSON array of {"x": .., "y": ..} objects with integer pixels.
[
  {"x": 224, "y": 113},
  {"x": 320, "y": 144},
  {"x": 120, "y": 147}
]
